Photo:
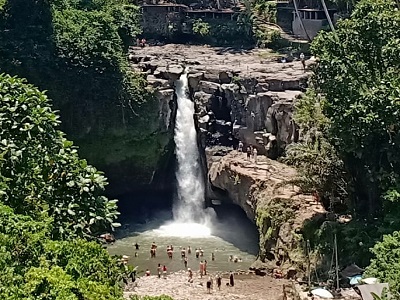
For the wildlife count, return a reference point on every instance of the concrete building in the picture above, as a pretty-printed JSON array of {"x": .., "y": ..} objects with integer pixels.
[{"x": 313, "y": 20}]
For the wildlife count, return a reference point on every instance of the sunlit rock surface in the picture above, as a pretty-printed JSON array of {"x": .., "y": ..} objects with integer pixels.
[
  {"x": 239, "y": 94},
  {"x": 265, "y": 193}
]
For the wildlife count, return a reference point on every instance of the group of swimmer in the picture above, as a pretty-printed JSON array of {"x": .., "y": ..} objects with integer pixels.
[{"x": 185, "y": 251}]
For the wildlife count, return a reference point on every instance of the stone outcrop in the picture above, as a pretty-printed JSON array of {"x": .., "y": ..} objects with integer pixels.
[
  {"x": 277, "y": 207},
  {"x": 242, "y": 95}
]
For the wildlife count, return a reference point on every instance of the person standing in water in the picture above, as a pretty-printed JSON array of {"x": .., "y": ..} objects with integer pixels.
[
  {"x": 136, "y": 246},
  {"x": 159, "y": 270},
  {"x": 183, "y": 252},
  {"x": 165, "y": 272},
  {"x": 189, "y": 250},
  {"x": 185, "y": 262},
  {"x": 201, "y": 267},
  {"x": 197, "y": 253},
  {"x": 212, "y": 256},
  {"x": 205, "y": 267}
]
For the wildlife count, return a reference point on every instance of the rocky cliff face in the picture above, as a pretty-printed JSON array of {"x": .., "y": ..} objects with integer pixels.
[
  {"x": 278, "y": 208},
  {"x": 239, "y": 95},
  {"x": 242, "y": 96}
]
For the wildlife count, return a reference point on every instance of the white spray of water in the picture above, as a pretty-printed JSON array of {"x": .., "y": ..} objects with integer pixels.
[
  {"x": 190, "y": 217},
  {"x": 190, "y": 182}
]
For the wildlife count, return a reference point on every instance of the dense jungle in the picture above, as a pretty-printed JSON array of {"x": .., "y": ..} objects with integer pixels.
[{"x": 73, "y": 103}]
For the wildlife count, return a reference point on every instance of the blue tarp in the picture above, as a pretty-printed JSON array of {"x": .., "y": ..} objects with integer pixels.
[{"x": 355, "y": 279}]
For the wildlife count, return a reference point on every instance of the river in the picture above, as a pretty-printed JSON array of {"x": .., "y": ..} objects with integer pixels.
[{"x": 231, "y": 234}]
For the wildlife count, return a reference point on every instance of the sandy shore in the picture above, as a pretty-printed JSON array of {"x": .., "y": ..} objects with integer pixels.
[{"x": 176, "y": 285}]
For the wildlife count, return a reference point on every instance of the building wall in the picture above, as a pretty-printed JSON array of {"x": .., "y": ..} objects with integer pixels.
[
  {"x": 312, "y": 27},
  {"x": 160, "y": 20}
]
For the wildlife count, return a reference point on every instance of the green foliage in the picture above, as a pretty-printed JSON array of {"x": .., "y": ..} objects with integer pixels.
[
  {"x": 34, "y": 267},
  {"x": 386, "y": 262},
  {"x": 201, "y": 28},
  {"x": 321, "y": 170},
  {"x": 246, "y": 19},
  {"x": 270, "y": 217},
  {"x": 265, "y": 10},
  {"x": 350, "y": 147},
  {"x": 358, "y": 75},
  {"x": 76, "y": 50},
  {"x": 267, "y": 37},
  {"x": 41, "y": 173}
]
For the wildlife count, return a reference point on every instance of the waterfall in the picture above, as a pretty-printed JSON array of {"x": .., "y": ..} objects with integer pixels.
[{"x": 188, "y": 206}]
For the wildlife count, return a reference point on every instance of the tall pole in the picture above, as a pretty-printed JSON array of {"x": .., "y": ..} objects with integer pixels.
[
  {"x": 328, "y": 16},
  {"x": 309, "y": 265},
  {"x": 300, "y": 19},
  {"x": 337, "y": 264}
]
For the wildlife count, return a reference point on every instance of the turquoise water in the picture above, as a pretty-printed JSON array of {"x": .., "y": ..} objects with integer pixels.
[{"x": 230, "y": 234}]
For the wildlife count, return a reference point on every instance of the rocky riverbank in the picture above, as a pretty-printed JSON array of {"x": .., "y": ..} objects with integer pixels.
[
  {"x": 278, "y": 207},
  {"x": 176, "y": 285}
]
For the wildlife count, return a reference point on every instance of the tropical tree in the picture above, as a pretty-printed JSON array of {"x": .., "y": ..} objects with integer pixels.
[
  {"x": 32, "y": 266},
  {"x": 321, "y": 169},
  {"x": 41, "y": 172},
  {"x": 357, "y": 75},
  {"x": 385, "y": 265}
]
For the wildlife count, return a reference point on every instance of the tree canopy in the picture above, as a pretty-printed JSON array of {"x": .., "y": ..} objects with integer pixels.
[
  {"x": 349, "y": 150},
  {"x": 357, "y": 75},
  {"x": 41, "y": 173},
  {"x": 51, "y": 202}
]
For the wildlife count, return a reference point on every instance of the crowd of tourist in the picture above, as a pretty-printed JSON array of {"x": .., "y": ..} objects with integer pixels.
[{"x": 185, "y": 252}]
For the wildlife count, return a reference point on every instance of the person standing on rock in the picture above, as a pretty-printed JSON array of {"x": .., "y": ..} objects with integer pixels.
[
  {"x": 248, "y": 151},
  {"x": 205, "y": 267},
  {"x": 231, "y": 279},
  {"x": 255, "y": 155},
  {"x": 303, "y": 61},
  {"x": 240, "y": 147}
]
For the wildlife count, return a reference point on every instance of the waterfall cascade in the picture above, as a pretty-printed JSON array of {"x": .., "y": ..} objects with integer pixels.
[
  {"x": 188, "y": 206},
  {"x": 190, "y": 216}
]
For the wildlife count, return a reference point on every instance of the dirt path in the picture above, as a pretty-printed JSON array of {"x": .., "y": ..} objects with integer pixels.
[{"x": 176, "y": 285}]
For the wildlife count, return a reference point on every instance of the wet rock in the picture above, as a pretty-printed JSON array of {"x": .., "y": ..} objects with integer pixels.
[
  {"x": 194, "y": 80},
  {"x": 225, "y": 77},
  {"x": 209, "y": 87}
]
